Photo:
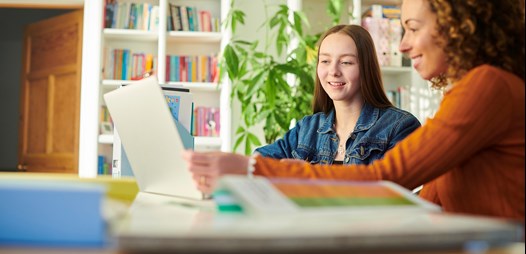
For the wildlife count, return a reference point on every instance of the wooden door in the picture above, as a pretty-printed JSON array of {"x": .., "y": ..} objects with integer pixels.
[{"x": 50, "y": 95}]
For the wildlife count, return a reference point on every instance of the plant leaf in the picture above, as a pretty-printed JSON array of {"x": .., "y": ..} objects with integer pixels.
[
  {"x": 232, "y": 61},
  {"x": 334, "y": 9},
  {"x": 254, "y": 139},
  {"x": 238, "y": 142}
]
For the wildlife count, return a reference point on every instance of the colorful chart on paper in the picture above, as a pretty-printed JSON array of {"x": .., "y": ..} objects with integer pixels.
[{"x": 307, "y": 193}]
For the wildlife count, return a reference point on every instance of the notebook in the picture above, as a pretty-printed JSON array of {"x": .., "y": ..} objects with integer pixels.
[{"x": 151, "y": 140}]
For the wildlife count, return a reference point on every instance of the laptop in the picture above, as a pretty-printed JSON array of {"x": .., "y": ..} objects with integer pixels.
[{"x": 151, "y": 140}]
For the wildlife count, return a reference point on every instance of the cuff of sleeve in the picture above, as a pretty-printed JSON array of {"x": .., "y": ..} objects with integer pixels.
[{"x": 252, "y": 164}]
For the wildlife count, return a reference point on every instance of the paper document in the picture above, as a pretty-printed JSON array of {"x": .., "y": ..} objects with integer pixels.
[{"x": 261, "y": 195}]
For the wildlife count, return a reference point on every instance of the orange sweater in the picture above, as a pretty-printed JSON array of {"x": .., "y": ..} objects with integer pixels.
[{"x": 470, "y": 156}]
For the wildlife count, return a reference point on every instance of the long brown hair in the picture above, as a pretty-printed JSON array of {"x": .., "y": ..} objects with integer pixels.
[
  {"x": 473, "y": 33},
  {"x": 370, "y": 77}
]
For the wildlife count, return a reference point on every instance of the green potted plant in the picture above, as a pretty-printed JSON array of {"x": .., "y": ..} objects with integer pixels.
[{"x": 273, "y": 88}]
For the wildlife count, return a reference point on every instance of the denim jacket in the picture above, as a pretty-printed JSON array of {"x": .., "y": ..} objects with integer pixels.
[{"x": 314, "y": 139}]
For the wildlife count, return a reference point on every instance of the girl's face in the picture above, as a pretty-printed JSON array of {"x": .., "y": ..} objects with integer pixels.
[
  {"x": 338, "y": 68},
  {"x": 419, "y": 41}
]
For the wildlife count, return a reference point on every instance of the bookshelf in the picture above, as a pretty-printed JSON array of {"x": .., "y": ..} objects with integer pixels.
[{"x": 159, "y": 41}]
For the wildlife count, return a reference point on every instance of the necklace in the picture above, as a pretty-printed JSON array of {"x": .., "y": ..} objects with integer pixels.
[
  {"x": 341, "y": 144},
  {"x": 341, "y": 149}
]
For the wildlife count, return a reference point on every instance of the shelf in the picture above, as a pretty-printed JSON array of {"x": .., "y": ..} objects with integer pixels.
[
  {"x": 194, "y": 36},
  {"x": 198, "y": 86},
  {"x": 390, "y": 70},
  {"x": 195, "y": 86},
  {"x": 382, "y": 2},
  {"x": 207, "y": 141},
  {"x": 198, "y": 141},
  {"x": 115, "y": 83},
  {"x": 130, "y": 34},
  {"x": 106, "y": 139}
]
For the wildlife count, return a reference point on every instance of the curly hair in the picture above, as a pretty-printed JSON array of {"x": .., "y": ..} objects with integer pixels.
[{"x": 476, "y": 32}]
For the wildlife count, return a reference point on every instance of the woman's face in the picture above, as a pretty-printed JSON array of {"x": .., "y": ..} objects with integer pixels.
[
  {"x": 419, "y": 42},
  {"x": 338, "y": 68}
]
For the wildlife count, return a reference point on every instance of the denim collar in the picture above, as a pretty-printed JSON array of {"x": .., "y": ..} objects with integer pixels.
[{"x": 368, "y": 117}]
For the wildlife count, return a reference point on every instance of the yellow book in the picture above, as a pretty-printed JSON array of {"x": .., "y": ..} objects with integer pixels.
[{"x": 122, "y": 189}]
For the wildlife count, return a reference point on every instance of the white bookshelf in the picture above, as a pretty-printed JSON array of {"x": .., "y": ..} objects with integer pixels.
[
  {"x": 159, "y": 43},
  {"x": 129, "y": 34},
  {"x": 176, "y": 36}
]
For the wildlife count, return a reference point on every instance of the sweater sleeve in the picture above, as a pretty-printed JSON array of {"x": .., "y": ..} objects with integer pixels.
[{"x": 472, "y": 115}]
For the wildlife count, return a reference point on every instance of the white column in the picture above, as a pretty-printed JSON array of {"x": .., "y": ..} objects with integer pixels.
[
  {"x": 161, "y": 43},
  {"x": 294, "y": 5},
  {"x": 356, "y": 12},
  {"x": 89, "y": 91},
  {"x": 226, "y": 88}
]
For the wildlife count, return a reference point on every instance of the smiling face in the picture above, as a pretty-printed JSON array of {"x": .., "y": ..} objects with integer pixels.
[
  {"x": 419, "y": 41},
  {"x": 338, "y": 68}
]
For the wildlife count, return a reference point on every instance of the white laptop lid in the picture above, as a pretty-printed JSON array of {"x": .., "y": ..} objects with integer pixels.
[{"x": 150, "y": 139}]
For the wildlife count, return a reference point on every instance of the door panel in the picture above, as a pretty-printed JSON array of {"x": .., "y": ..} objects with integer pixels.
[
  {"x": 37, "y": 115},
  {"x": 50, "y": 103},
  {"x": 63, "y": 136}
]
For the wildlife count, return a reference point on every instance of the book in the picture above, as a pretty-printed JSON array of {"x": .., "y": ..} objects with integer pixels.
[
  {"x": 382, "y": 11},
  {"x": 52, "y": 213},
  {"x": 109, "y": 10},
  {"x": 180, "y": 102},
  {"x": 268, "y": 196}
]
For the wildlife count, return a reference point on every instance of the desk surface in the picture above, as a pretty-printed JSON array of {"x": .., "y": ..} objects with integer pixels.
[{"x": 180, "y": 225}]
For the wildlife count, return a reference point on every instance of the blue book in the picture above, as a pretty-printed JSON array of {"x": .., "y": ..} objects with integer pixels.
[
  {"x": 173, "y": 68},
  {"x": 191, "y": 18},
  {"x": 100, "y": 165},
  {"x": 125, "y": 60},
  {"x": 51, "y": 213},
  {"x": 177, "y": 69},
  {"x": 189, "y": 73}
]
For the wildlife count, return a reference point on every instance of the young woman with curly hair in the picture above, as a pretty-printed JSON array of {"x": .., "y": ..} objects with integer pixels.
[{"x": 470, "y": 156}]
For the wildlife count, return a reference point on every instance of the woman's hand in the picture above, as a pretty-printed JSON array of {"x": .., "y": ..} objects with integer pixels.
[{"x": 207, "y": 167}]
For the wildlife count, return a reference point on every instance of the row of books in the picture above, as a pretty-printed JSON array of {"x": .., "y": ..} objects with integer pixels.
[
  {"x": 400, "y": 97},
  {"x": 105, "y": 115},
  {"x": 126, "y": 15},
  {"x": 188, "y": 18},
  {"x": 103, "y": 166},
  {"x": 206, "y": 122},
  {"x": 382, "y": 11},
  {"x": 124, "y": 64},
  {"x": 106, "y": 123},
  {"x": 191, "y": 68},
  {"x": 198, "y": 121},
  {"x": 386, "y": 31}
]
